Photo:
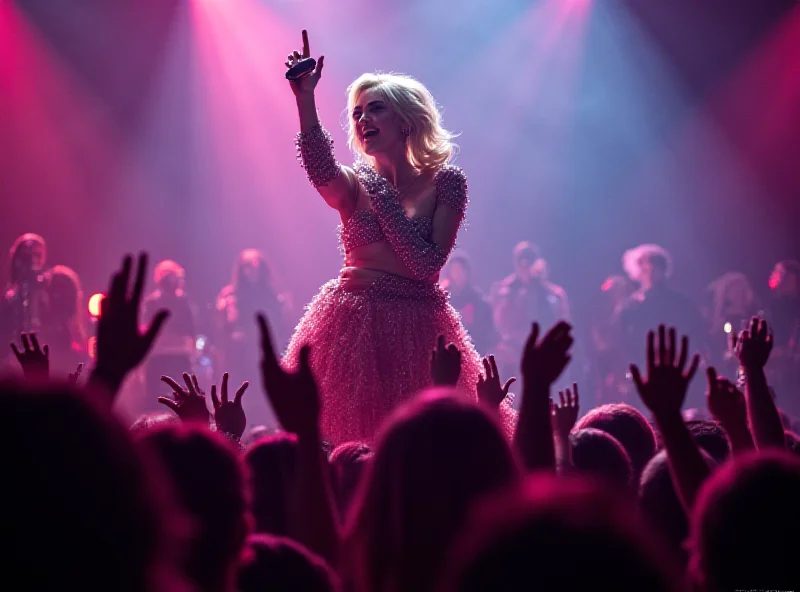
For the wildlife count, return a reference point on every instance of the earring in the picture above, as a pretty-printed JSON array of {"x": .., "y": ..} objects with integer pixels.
[{"x": 406, "y": 132}]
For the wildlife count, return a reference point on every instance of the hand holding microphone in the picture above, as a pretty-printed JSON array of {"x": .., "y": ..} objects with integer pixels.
[{"x": 303, "y": 71}]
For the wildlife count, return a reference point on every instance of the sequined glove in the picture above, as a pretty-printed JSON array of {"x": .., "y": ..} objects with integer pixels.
[
  {"x": 315, "y": 153},
  {"x": 422, "y": 258}
]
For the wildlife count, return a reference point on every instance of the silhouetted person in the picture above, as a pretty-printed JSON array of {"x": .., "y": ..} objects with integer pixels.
[
  {"x": 435, "y": 458},
  {"x": 554, "y": 534},
  {"x": 745, "y": 525},
  {"x": 283, "y": 565},
  {"x": 84, "y": 509},
  {"x": 271, "y": 463},
  {"x": 598, "y": 453},
  {"x": 209, "y": 481},
  {"x": 629, "y": 427}
]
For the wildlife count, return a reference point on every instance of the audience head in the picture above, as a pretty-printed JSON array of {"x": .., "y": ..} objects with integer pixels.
[
  {"x": 84, "y": 508},
  {"x": 348, "y": 462},
  {"x": 251, "y": 270},
  {"x": 210, "y": 482},
  {"x": 598, "y": 453},
  {"x": 710, "y": 436},
  {"x": 649, "y": 264},
  {"x": 629, "y": 427},
  {"x": 271, "y": 461},
  {"x": 660, "y": 505},
  {"x": 554, "y": 534},
  {"x": 256, "y": 433},
  {"x": 745, "y": 528},
  {"x": 282, "y": 565},
  {"x": 169, "y": 276},
  {"x": 526, "y": 255},
  {"x": 438, "y": 454},
  {"x": 147, "y": 421}
]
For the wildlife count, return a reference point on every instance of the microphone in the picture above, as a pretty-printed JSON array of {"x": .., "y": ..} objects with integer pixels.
[{"x": 301, "y": 69}]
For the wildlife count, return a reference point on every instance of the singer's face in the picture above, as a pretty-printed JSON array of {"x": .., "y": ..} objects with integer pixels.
[{"x": 376, "y": 124}]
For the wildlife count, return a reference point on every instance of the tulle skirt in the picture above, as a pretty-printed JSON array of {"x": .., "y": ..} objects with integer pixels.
[{"x": 371, "y": 342}]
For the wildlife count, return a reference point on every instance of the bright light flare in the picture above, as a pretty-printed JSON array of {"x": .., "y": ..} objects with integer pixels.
[{"x": 94, "y": 305}]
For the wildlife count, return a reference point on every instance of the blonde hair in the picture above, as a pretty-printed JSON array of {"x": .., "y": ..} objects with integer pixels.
[
  {"x": 632, "y": 258},
  {"x": 429, "y": 145}
]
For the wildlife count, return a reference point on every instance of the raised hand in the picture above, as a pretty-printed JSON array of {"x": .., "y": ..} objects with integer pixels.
[
  {"x": 294, "y": 395},
  {"x": 445, "y": 363},
  {"x": 753, "y": 345},
  {"x": 307, "y": 84},
  {"x": 544, "y": 361},
  {"x": 564, "y": 415},
  {"x": 229, "y": 415},
  {"x": 725, "y": 402},
  {"x": 72, "y": 377},
  {"x": 189, "y": 403},
  {"x": 490, "y": 391},
  {"x": 121, "y": 346},
  {"x": 35, "y": 360},
  {"x": 664, "y": 389}
]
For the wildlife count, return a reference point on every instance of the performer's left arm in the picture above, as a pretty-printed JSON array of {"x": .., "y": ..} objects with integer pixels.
[{"x": 423, "y": 258}]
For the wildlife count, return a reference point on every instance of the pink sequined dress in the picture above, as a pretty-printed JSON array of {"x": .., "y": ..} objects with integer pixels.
[{"x": 372, "y": 333}]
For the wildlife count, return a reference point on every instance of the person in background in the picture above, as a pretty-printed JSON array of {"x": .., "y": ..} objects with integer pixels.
[
  {"x": 173, "y": 353},
  {"x": 784, "y": 303},
  {"x": 522, "y": 298},
  {"x": 25, "y": 298},
  {"x": 608, "y": 361},
  {"x": 783, "y": 314},
  {"x": 733, "y": 303},
  {"x": 252, "y": 289},
  {"x": 475, "y": 311},
  {"x": 63, "y": 322},
  {"x": 654, "y": 303}
]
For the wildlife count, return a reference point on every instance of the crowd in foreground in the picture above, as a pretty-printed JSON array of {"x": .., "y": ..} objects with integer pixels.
[{"x": 445, "y": 499}]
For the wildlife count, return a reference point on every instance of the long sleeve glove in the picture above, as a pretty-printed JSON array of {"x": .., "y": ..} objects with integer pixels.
[{"x": 315, "y": 153}]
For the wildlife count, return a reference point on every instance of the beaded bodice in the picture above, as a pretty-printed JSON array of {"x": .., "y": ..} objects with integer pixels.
[
  {"x": 363, "y": 228},
  {"x": 385, "y": 219}
]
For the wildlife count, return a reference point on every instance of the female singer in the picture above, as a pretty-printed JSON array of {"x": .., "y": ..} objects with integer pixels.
[{"x": 372, "y": 330}]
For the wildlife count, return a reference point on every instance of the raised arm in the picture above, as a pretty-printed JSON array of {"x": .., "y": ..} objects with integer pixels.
[
  {"x": 753, "y": 348},
  {"x": 663, "y": 392},
  {"x": 334, "y": 182},
  {"x": 421, "y": 257},
  {"x": 542, "y": 363}
]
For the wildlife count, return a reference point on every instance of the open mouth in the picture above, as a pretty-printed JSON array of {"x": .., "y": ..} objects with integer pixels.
[{"x": 369, "y": 134}]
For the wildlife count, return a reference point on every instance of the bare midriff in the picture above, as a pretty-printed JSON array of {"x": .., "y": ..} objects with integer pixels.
[{"x": 364, "y": 265}]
